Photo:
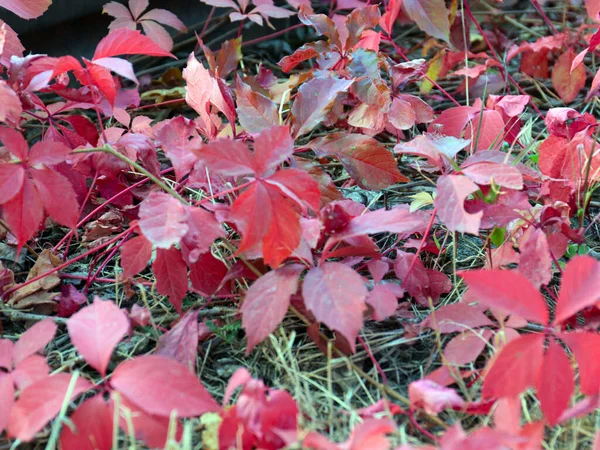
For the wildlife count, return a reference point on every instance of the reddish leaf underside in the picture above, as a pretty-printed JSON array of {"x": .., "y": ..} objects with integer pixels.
[
  {"x": 336, "y": 295},
  {"x": 267, "y": 302},
  {"x": 452, "y": 191},
  {"x": 96, "y": 330},
  {"x": 172, "y": 385},
  {"x": 171, "y": 275},
  {"x": 40, "y": 402}
]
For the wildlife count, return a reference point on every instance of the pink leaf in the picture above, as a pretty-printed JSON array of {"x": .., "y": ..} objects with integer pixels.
[
  {"x": 24, "y": 212},
  {"x": 158, "y": 34},
  {"x": 119, "y": 66},
  {"x": 163, "y": 220},
  {"x": 535, "y": 262},
  {"x": 585, "y": 346},
  {"x": 579, "y": 288},
  {"x": 267, "y": 302},
  {"x": 203, "y": 229},
  {"x": 486, "y": 173},
  {"x": 336, "y": 295},
  {"x": 166, "y": 18},
  {"x": 171, "y": 276},
  {"x": 7, "y": 398},
  {"x": 48, "y": 182},
  {"x": 452, "y": 191},
  {"x": 180, "y": 343},
  {"x": 465, "y": 347},
  {"x": 383, "y": 301},
  {"x": 116, "y": 10},
  {"x": 26, "y": 9},
  {"x": 33, "y": 340},
  {"x": 11, "y": 181},
  {"x": 124, "y": 41},
  {"x": 516, "y": 368},
  {"x": 29, "y": 371},
  {"x": 48, "y": 153},
  {"x": 398, "y": 220},
  {"x": 96, "y": 330},
  {"x": 135, "y": 254},
  {"x": 309, "y": 109},
  {"x": 93, "y": 422},
  {"x": 556, "y": 383},
  {"x": 239, "y": 378},
  {"x": 432, "y": 398},
  {"x": 41, "y": 402},
  {"x": 455, "y": 317},
  {"x": 172, "y": 385},
  {"x": 256, "y": 112},
  {"x": 14, "y": 142},
  {"x": 371, "y": 434},
  {"x": 508, "y": 291}
]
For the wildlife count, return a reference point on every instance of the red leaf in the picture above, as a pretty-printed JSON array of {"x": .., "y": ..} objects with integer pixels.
[
  {"x": 11, "y": 181},
  {"x": 455, "y": 317},
  {"x": 432, "y": 398},
  {"x": 336, "y": 295},
  {"x": 24, "y": 212},
  {"x": 383, "y": 300},
  {"x": 556, "y": 383},
  {"x": 14, "y": 142},
  {"x": 29, "y": 371},
  {"x": 41, "y": 402},
  {"x": 171, "y": 276},
  {"x": 174, "y": 138},
  {"x": 7, "y": 398},
  {"x": 466, "y": 347},
  {"x": 486, "y": 173},
  {"x": 398, "y": 220},
  {"x": 228, "y": 157},
  {"x": 128, "y": 42},
  {"x": 452, "y": 121},
  {"x": 181, "y": 342},
  {"x": 486, "y": 131},
  {"x": 163, "y": 220},
  {"x": 535, "y": 261},
  {"x": 26, "y": 9},
  {"x": 508, "y": 291},
  {"x": 135, "y": 254},
  {"x": 586, "y": 348},
  {"x": 172, "y": 385},
  {"x": 298, "y": 186},
  {"x": 566, "y": 83},
  {"x": 309, "y": 109},
  {"x": 70, "y": 300},
  {"x": 63, "y": 209},
  {"x": 203, "y": 229},
  {"x": 371, "y": 434},
  {"x": 431, "y": 16},
  {"x": 516, "y": 368},
  {"x": 48, "y": 153},
  {"x": 452, "y": 191},
  {"x": 96, "y": 330},
  {"x": 207, "y": 274},
  {"x": 267, "y": 302},
  {"x": 33, "y": 340},
  {"x": 579, "y": 287},
  {"x": 93, "y": 421},
  {"x": 272, "y": 147},
  {"x": 367, "y": 161}
]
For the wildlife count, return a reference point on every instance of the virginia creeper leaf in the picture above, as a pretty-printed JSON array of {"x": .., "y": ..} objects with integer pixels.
[
  {"x": 172, "y": 385},
  {"x": 33, "y": 340},
  {"x": 579, "y": 287},
  {"x": 267, "y": 302},
  {"x": 508, "y": 291},
  {"x": 41, "y": 402},
  {"x": 431, "y": 16},
  {"x": 452, "y": 191},
  {"x": 93, "y": 422},
  {"x": 163, "y": 220},
  {"x": 336, "y": 295},
  {"x": 135, "y": 254},
  {"x": 96, "y": 330},
  {"x": 556, "y": 382},
  {"x": 171, "y": 275}
]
